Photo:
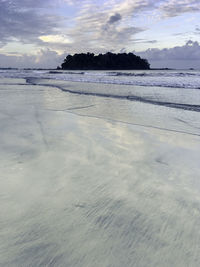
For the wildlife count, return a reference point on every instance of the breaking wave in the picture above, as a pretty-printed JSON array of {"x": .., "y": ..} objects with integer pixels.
[{"x": 189, "y": 79}]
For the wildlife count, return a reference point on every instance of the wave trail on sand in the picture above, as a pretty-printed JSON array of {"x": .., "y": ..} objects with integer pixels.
[{"x": 169, "y": 97}]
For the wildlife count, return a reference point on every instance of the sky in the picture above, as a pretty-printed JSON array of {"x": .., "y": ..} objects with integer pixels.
[{"x": 40, "y": 33}]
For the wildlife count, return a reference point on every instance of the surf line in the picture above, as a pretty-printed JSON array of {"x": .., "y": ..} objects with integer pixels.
[{"x": 189, "y": 107}]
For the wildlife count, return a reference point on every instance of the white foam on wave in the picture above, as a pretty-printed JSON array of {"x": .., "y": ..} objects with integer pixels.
[{"x": 175, "y": 79}]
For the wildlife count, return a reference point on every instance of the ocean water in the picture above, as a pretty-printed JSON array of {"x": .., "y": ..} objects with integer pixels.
[
  {"x": 161, "y": 78},
  {"x": 99, "y": 168}
]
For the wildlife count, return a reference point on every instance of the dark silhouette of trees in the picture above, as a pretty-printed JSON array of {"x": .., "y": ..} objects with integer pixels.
[{"x": 108, "y": 61}]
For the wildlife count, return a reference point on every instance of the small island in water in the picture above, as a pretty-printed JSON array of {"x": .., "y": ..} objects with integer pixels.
[{"x": 108, "y": 61}]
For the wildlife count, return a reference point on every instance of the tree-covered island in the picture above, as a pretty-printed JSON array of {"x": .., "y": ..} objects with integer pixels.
[{"x": 108, "y": 61}]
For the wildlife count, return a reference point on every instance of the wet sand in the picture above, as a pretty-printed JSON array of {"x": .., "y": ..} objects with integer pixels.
[{"x": 89, "y": 181}]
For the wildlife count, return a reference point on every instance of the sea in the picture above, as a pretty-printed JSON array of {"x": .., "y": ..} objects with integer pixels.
[
  {"x": 188, "y": 79},
  {"x": 99, "y": 168},
  {"x": 173, "y": 88}
]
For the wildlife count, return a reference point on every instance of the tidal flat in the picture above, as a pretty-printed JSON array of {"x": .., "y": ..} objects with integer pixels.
[{"x": 96, "y": 181}]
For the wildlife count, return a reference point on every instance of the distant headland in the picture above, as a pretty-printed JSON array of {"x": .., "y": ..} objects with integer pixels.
[{"x": 108, "y": 61}]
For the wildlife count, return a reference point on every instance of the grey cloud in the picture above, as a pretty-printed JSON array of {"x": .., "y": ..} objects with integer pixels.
[
  {"x": 190, "y": 51},
  {"x": 25, "y": 21},
  {"x": 128, "y": 8},
  {"x": 123, "y": 50},
  {"x": 101, "y": 39},
  {"x": 114, "y": 18},
  {"x": 145, "y": 41},
  {"x": 117, "y": 36},
  {"x": 187, "y": 55},
  {"x": 173, "y": 8},
  {"x": 100, "y": 25},
  {"x": 97, "y": 30},
  {"x": 151, "y": 42},
  {"x": 197, "y": 29},
  {"x": 46, "y": 58}
]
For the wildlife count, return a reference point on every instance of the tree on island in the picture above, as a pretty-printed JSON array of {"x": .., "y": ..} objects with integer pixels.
[{"x": 108, "y": 61}]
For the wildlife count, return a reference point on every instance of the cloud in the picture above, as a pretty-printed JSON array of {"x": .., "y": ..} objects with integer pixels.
[
  {"x": 114, "y": 18},
  {"x": 143, "y": 41},
  {"x": 45, "y": 58},
  {"x": 190, "y": 51},
  {"x": 172, "y": 8},
  {"x": 25, "y": 21},
  {"x": 186, "y": 56},
  {"x": 105, "y": 25},
  {"x": 97, "y": 26},
  {"x": 197, "y": 30},
  {"x": 129, "y": 8}
]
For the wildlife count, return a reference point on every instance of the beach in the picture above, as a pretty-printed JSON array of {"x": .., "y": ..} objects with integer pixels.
[{"x": 91, "y": 179}]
